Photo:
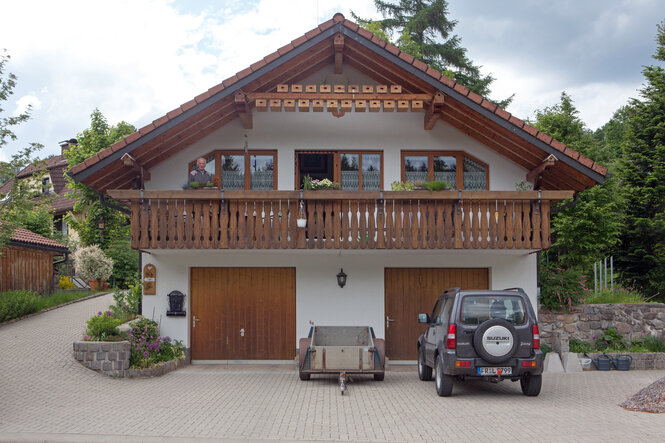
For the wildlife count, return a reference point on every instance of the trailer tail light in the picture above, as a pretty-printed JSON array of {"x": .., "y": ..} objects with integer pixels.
[
  {"x": 451, "y": 341},
  {"x": 536, "y": 337}
]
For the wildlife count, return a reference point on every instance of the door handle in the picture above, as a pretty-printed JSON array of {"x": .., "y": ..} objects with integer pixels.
[
  {"x": 388, "y": 320},
  {"x": 194, "y": 320}
]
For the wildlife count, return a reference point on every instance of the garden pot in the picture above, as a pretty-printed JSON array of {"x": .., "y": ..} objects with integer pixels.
[
  {"x": 302, "y": 222},
  {"x": 94, "y": 285}
]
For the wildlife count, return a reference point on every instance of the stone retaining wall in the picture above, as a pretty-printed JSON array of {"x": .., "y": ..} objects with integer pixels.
[
  {"x": 633, "y": 320},
  {"x": 112, "y": 358}
]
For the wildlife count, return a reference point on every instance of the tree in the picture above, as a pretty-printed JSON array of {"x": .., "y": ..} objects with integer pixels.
[
  {"x": 420, "y": 25},
  {"x": 99, "y": 136},
  {"x": 642, "y": 260},
  {"x": 588, "y": 230},
  {"x": 16, "y": 202},
  {"x": 113, "y": 237}
]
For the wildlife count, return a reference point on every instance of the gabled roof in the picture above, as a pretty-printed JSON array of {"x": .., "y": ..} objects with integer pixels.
[
  {"x": 386, "y": 64},
  {"x": 24, "y": 237},
  {"x": 56, "y": 168}
]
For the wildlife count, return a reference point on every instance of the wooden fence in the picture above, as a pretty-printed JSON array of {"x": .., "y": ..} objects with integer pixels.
[{"x": 26, "y": 268}]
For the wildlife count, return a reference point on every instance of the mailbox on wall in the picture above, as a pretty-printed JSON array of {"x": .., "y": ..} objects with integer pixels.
[{"x": 176, "y": 302}]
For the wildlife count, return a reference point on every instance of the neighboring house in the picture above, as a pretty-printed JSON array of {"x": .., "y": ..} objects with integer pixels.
[
  {"x": 335, "y": 103},
  {"x": 27, "y": 262},
  {"x": 48, "y": 179}
]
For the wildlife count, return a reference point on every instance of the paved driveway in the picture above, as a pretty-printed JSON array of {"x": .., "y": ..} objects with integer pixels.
[{"x": 46, "y": 395}]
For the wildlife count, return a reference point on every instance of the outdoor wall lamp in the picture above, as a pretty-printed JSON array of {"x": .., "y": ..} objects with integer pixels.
[{"x": 341, "y": 278}]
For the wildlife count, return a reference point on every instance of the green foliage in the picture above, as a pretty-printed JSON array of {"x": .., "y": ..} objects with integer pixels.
[
  {"x": 127, "y": 301},
  {"x": 620, "y": 295},
  {"x": 545, "y": 348},
  {"x": 580, "y": 347},
  {"x": 562, "y": 288},
  {"x": 425, "y": 32},
  {"x": 125, "y": 263},
  {"x": 16, "y": 203},
  {"x": 437, "y": 185},
  {"x": 402, "y": 186},
  {"x": 588, "y": 230},
  {"x": 610, "y": 340},
  {"x": 642, "y": 257},
  {"x": 101, "y": 326},
  {"x": 15, "y": 304}
]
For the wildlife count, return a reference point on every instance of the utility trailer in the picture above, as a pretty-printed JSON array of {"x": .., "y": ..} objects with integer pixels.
[{"x": 342, "y": 350}]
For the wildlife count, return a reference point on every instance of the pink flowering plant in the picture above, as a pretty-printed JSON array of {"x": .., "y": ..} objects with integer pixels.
[
  {"x": 148, "y": 348},
  {"x": 315, "y": 184},
  {"x": 562, "y": 289}
]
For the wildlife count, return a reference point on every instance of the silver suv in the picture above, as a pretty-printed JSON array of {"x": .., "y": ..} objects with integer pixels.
[{"x": 488, "y": 335}]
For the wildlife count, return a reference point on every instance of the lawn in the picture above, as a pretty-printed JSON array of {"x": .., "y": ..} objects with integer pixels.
[{"x": 15, "y": 304}]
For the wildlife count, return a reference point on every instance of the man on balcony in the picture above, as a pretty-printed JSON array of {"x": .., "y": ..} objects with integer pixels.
[{"x": 200, "y": 174}]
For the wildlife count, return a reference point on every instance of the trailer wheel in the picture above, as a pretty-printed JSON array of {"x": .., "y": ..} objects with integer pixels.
[{"x": 379, "y": 377}]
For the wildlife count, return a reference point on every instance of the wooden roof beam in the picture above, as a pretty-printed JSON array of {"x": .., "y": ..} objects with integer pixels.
[
  {"x": 338, "y": 43},
  {"x": 131, "y": 162},
  {"x": 243, "y": 110},
  {"x": 434, "y": 111},
  {"x": 536, "y": 174}
]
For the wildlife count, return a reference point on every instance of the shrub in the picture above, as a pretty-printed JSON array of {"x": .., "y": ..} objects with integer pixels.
[
  {"x": 545, "y": 348},
  {"x": 92, "y": 264},
  {"x": 14, "y": 304},
  {"x": 125, "y": 263},
  {"x": 437, "y": 185},
  {"x": 127, "y": 301},
  {"x": 620, "y": 295},
  {"x": 562, "y": 288},
  {"x": 65, "y": 283},
  {"x": 170, "y": 350},
  {"x": 102, "y": 326},
  {"x": 145, "y": 342}
]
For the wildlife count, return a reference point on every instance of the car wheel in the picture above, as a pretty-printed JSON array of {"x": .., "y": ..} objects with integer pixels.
[
  {"x": 495, "y": 340},
  {"x": 424, "y": 371},
  {"x": 444, "y": 383},
  {"x": 379, "y": 377},
  {"x": 531, "y": 384}
]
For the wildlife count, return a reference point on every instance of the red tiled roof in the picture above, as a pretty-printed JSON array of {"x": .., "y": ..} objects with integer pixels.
[
  {"x": 24, "y": 236},
  {"x": 49, "y": 163},
  {"x": 337, "y": 18},
  {"x": 6, "y": 187}
]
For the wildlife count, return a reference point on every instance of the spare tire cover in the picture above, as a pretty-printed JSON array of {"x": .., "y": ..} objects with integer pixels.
[{"x": 495, "y": 340}]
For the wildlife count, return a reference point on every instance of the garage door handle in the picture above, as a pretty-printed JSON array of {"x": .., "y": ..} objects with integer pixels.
[
  {"x": 194, "y": 320},
  {"x": 388, "y": 320}
]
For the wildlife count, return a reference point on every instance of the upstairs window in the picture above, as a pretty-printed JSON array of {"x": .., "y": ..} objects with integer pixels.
[
  {"x": 423, "y": 166},
  {"x": 237, "y": 170},
  {"x": 360, "y": 171},
  {"x": 46, "y": 186}
]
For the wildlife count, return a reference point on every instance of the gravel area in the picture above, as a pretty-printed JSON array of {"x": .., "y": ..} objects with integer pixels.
[{"x": 649, "y": 399}]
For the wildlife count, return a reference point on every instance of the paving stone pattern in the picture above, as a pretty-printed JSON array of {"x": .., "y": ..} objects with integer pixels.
[{"x": 46, "y": 394}]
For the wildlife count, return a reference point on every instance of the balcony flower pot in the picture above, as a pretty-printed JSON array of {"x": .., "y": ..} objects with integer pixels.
[{"x": 302, "y": 222}]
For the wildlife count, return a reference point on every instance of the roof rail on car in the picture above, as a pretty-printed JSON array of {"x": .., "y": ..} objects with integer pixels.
[
  {"x": 451, "y": 290},
  {"x": 515, "y": 289}
]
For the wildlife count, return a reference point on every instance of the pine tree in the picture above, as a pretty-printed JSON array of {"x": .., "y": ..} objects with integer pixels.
[
  {"x": 642, "y": 261},
  {"x": 421, "y": 24}
]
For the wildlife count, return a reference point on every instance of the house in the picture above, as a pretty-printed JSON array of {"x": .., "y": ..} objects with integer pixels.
[
  {"x": 336, "y": 103},
  {"x": 47, "y": 180},
  {"x": 27, "y": 262}
]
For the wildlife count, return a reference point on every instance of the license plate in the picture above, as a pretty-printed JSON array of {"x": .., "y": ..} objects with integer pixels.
[{"x": 495, "y": 371}]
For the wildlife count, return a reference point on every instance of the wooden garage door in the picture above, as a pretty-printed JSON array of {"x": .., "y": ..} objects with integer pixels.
[
  {"x": 415, "y": 290},
  {"x": 243, "y": 314}
]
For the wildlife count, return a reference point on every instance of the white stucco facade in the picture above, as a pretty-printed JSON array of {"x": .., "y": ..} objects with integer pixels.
[{"x": 319, "y": 299}]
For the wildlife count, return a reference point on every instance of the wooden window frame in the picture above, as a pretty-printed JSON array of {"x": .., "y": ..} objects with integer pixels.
[
  {"x": 459, "y": 157},
  {"x": 337, "y": 164},
  {"x": 217, "y": 178}
]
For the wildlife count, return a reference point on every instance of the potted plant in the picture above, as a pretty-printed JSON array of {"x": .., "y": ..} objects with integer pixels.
[
  {"x": 402, "y": 186},
  {"x": 437, "y": 185},
  {"x": 314, "y": 184},
  {"x": 93, "y": 265}
]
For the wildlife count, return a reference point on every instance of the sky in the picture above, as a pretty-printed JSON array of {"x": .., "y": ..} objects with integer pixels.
[{"x": 135, "y": 60}]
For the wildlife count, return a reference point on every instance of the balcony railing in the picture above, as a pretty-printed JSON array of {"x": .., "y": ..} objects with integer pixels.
[{"x": 212, "y": 219}]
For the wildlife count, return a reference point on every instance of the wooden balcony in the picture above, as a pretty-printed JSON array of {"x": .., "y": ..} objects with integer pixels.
[{"x": 212, "y": 219}]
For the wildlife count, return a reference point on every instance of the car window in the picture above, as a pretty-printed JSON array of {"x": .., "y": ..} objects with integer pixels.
[
  {"x": 445, "y": 311},
  {"x": 435, "y": 311},
  {"x": 479, "y": 308}
]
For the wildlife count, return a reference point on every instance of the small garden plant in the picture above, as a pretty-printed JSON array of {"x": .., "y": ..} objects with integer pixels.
[
  {"x": 92, "y": 264},
  {"x": 402, "y": 186},
  {"x": 613, "y": 341},
  {"x": 148, "y": 348},
  {"x": 103, "y": 327},
  {"x": 314, "y": 184}
]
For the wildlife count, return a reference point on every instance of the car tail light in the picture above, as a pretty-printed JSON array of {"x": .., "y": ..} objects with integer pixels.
[
  {"x": 463, "y": 364},
  {"x": 529, "y": 364},
  {"x": 451, "y": 340},
  {"x": 536, "y": 337}
]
